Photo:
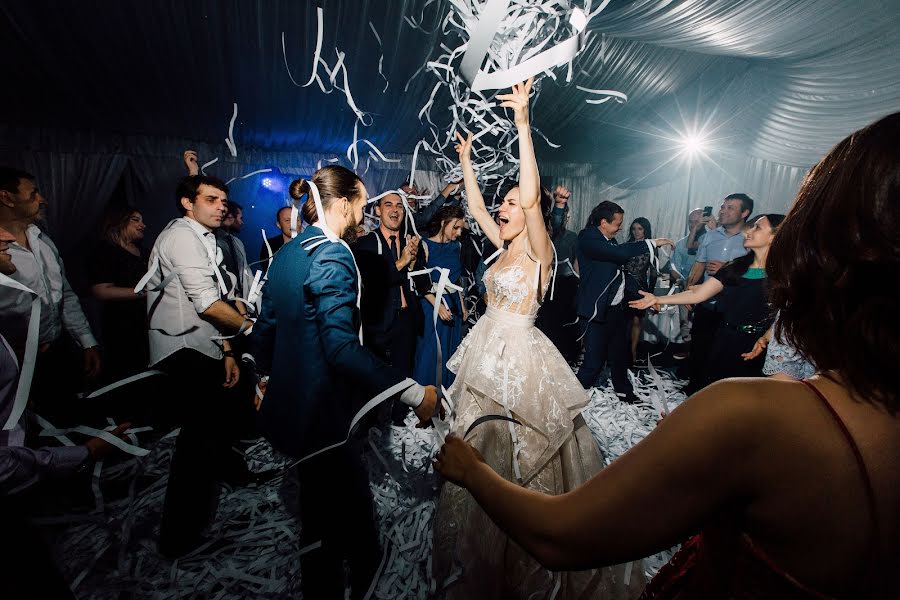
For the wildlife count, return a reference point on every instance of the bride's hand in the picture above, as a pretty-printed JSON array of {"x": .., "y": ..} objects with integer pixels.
[
  {"x": 518, "y": 101},
  {"x": 456, "y": 459},
  {"x": 464, "y": 148}
]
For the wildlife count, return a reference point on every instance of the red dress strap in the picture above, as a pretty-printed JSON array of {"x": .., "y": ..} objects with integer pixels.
[{"x": 875, "y": 528}]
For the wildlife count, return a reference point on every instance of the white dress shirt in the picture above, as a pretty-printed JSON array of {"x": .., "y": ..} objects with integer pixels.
[
  {"x": 41, "y": 269},
  {"x": 188, "y": 250}
]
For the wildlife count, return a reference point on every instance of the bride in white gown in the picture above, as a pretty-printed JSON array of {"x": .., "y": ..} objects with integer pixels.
[{"x": 506, "y": 366}]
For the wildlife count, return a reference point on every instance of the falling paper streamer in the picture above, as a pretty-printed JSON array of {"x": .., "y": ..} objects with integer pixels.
[
  {"x": 208, "y": 164},
  {"x": 489, "y": 45},
  {"x": 380, "y": 58},
  {"x": 607, "y": 95},
  {"x": 333, "y": 73},
  {"x": 229, "y": 141},
  {"x": 248, "y": 175}
]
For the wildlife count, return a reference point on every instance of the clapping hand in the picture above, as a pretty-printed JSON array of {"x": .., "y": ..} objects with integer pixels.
[{"x": 411, "y": 249}]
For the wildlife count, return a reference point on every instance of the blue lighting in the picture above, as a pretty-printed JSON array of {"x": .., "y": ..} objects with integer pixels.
[{"x": 273, "y": 183}]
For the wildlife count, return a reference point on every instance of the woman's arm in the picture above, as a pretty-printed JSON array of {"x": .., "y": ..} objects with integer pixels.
[
  {"x": 702, "y": 293},
  {"x": 110, "y": 292},
  {"x": 443, "y": 312},
  {"x": 644, "y": 502},
  {"x": 474, "y": 199},
  {"x": 529, "y": 179}
]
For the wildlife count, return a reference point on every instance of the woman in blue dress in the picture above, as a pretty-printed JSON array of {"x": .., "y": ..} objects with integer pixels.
[{"x": 442, "y": 250}]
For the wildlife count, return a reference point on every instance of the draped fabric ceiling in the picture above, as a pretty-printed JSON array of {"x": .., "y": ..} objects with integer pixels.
[{"x": 773, "y": 83}]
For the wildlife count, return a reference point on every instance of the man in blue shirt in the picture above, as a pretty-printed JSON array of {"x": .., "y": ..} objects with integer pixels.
[{"x": 724, "y": 243}]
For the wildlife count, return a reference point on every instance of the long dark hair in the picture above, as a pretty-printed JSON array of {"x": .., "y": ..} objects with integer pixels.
[
  {"x": 832, "y": 267},
  {"x": 731, "y": 273},
  {"x": 648, "y": 230},
  {"x": 546, "y": 199},
  {"x": 442, "y": 217}
]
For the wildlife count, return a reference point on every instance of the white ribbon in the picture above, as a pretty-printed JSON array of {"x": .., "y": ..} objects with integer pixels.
[
  {"x": 229, "y": 141},
  {"x": 120, "y": 383},
  {"x": 29, "y": 359}
]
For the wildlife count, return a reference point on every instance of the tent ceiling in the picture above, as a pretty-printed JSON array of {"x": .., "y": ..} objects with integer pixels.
[{"x": 781, "y": 80}]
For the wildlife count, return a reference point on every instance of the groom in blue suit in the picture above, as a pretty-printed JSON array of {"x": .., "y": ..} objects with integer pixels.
[
  {"x": 601, "y": 296},
  {"x": 306, "y": 339}
]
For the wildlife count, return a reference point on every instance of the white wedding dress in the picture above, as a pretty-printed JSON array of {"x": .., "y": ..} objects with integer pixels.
[{"x": 506, "y": 366}]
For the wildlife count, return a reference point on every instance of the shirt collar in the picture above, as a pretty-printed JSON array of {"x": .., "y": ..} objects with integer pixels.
[{"x": 197, "y": 227}]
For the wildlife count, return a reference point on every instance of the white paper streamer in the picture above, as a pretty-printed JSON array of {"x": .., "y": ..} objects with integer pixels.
[
  {"x": 29, "y": 358},
  {"x": 229, "y": 141}
]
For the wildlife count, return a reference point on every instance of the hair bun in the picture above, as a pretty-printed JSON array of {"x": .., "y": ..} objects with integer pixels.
[{"x": 298, "y": 188}]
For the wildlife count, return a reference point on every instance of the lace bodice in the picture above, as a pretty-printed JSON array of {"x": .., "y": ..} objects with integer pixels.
[{"x": 511, "y": 284}]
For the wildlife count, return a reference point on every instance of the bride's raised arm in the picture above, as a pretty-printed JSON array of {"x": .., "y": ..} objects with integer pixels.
[
  {"x": 529, "y": 180},
  {"x": 473, "y": 194}
]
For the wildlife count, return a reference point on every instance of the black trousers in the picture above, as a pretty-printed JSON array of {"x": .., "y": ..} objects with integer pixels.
[
  {"x": 58, "y": 377},
  {"x": 396, "y": 347},
  {"x": 209, "y": 420},
  {"x": 27, "y": 566},
  {"x": 556, "y": 316},
  {"x": 336, "y": 509},
  {"x": 607, "y": 341},
  {"x": 703, "y": 336}
]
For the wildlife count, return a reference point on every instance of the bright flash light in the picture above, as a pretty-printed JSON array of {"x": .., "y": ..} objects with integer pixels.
[{"x": 693, "y": 143}]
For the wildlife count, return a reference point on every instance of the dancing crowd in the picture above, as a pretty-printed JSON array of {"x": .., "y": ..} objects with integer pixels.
[{"x": 491, "y": 324}]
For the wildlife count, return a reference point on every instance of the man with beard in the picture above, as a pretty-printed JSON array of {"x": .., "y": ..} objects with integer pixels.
[
  {"x": 391, "y": 315},
  {"x": 307, "y": 333}
]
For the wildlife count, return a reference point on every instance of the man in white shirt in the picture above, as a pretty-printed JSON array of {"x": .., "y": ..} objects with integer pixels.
[
  {"x": 58, "y": 371},
  {"x": 188, "y": 316}
]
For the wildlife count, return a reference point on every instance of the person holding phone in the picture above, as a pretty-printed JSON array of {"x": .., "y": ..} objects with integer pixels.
[{"x": 722, "y": 244}]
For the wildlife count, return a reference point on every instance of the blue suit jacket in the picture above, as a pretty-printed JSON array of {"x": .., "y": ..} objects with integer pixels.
[
  {"x": 306, "y": 339},
  {"x": 600, "y": 261}
]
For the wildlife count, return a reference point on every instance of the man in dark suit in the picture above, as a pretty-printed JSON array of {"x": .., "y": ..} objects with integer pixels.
[
  {"x": 392, "y": 317},
  {"x": 274, "y": 243},
  {"x": 307, "y": 332},
  {"x": 601, "y": 296}
]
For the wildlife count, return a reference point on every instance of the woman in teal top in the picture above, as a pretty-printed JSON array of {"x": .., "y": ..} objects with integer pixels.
[
  {"x": 442, "y": 249},
  {"x": 743, "y": 300}
]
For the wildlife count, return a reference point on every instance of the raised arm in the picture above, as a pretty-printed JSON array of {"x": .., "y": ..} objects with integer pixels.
[
  {"x": 529, "y": 180},
  {"x": 474, "y": 198}
]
